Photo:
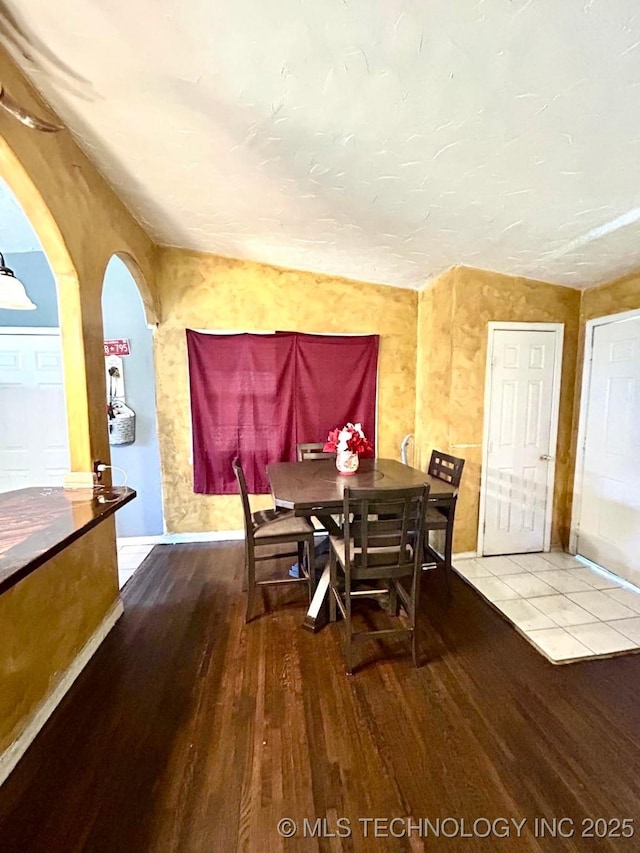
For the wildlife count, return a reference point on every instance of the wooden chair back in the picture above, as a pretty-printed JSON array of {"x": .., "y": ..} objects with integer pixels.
[
  {"x": 445, "y": 467},
  {"x": 268, "y": 528},
  {"x": 384, "y": 531},
  {"x": 312, "y": 450},
  {"x": 246, "y": 508}
]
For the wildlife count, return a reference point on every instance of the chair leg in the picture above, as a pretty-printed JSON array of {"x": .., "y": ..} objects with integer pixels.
[
  {"x": 311, "y": 566},
  {"x": 427, "y": 558},
  {"x": 447, "y": 577},
  {"x": 333, "y": 581},
  {"x": 446, "y": 562},
  {"x": 413, "y": 616},
  {"x": 393, "y": 599},
  {"x": 245, "y": 571},
  {"x": 448, "y": 548},
  {"x": 348, "y": 643},
  {"x": 348, "y": 637},
  {"x": 251, "y": 586},
  {"x": 248, "y": 616}
]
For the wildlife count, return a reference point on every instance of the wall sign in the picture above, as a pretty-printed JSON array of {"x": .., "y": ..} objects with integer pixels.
[{"x": 117, "y": 346}]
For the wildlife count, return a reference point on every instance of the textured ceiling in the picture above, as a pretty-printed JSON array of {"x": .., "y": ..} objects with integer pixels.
[{"x": 379, "y": 141}]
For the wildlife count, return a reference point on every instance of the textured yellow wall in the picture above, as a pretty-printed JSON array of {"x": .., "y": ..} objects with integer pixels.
[
  {"x": 434, "y": 368},
  {"x": 47, "y": 618},
  {"x": 207, "y": 292},
  {"x": 474, "y": 298},
  {"x": 617, "y": 296}
]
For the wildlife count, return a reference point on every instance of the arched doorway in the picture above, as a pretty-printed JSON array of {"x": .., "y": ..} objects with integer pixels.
[
  {"x": 68, "y": 301},
  {"x": 127, "y": 318},
  {"x": 34, "y": 450}
]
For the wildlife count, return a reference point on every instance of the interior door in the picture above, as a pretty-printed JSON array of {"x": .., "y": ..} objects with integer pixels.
[
  {"x": 33, "y": 425},
  {"x": 522, "y": 413},
  {"x": 609, "y": 519}
]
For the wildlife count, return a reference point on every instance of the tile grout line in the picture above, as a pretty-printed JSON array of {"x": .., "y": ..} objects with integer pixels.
[{"x": 559, "y": 565}]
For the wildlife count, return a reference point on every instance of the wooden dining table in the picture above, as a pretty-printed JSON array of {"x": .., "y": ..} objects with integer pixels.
[{"x": 316, "y": 488}]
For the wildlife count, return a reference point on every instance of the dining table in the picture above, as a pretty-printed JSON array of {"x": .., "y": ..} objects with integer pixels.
[{"x": 315, "y": 488}]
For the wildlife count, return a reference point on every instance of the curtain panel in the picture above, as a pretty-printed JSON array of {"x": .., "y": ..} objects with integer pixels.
[{"x": 257, "y": 396}]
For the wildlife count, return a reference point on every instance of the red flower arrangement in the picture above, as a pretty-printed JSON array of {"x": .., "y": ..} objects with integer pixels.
[{"x": 351, "y": 438}]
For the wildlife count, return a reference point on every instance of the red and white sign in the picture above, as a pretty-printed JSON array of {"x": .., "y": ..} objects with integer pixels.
[{"x": 118, "y": 346}]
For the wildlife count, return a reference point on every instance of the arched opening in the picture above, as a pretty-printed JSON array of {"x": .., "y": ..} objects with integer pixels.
[
  {"x": 69, "y": 315},
  {"x": 34, "y": 445},
  {"x": 135, "y": 454},
  {"x": 143, "y": 288}
]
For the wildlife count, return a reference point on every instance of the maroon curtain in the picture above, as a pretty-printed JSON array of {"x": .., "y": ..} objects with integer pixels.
[
  {"x": 257, "y": 396},
  {"x": 242, "y": 389},
  {"x": 336, "y": 383}
]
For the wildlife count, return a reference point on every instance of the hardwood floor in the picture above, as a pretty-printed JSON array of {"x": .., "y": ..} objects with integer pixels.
[{"x": 190, "y": 731}]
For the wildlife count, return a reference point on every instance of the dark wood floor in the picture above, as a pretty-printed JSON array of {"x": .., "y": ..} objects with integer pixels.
[{"x": 190, "y": 732}]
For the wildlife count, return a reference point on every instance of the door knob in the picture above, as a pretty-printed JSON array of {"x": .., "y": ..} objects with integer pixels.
[{"x": 545, "y": 458}]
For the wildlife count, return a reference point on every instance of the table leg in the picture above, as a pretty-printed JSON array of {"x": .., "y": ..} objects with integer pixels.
[{"x": 318, "y": 613}]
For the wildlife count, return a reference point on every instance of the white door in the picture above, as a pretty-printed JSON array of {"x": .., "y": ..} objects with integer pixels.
[
  {"x": 33, "y": 427},
  {"x": 522, "y": 400},
  {"x": 609, "y": 519}
]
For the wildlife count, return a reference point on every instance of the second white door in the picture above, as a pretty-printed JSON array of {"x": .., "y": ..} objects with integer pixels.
[
  {"x": 522, "y": 417},
  {"x": 33, "y": 423},
  {"x": 609, "y": 518}
]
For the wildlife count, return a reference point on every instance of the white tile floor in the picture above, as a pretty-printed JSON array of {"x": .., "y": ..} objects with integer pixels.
[
  {"x": 567, "y": 610},
  {"x": 129, "y": 558}
]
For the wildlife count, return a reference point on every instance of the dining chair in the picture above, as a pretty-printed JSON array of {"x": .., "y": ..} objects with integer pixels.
[
  {"x": 268, "y": 528},
  {"x": 441, "y": 511},
  {"x": 381, "y": 544},
  {"x": 312, "y": 450}
]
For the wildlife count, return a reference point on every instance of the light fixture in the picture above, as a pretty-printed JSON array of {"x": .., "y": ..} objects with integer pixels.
[
  {"x": 12, "y": 291},
  {"x": 26, "y": 117}
]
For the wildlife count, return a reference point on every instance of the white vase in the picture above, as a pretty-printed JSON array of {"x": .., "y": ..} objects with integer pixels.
[{"x": 347, "y": 462}]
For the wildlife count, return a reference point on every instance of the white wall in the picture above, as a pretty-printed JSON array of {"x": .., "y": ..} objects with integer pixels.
[{"x": 123, "y": 317}]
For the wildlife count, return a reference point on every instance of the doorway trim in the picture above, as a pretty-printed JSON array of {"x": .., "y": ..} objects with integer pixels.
[
  {"x": 558, "y": 329},
  {"x": 581, "y": 440}
]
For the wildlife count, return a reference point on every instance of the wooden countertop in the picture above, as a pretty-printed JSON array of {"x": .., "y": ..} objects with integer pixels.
[{"x": 37, "y": 523}]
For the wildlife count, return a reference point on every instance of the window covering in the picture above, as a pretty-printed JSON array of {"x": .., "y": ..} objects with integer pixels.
[{"x": 257, "y": 396}]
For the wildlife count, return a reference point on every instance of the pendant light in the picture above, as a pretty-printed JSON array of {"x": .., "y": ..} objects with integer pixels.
[{"x": 12, "y": 291}]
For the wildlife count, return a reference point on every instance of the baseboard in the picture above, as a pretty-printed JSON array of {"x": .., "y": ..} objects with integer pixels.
[
  {"x": 466, "y": 555},
  {"x": 181, "y": 538},
  {"x": 210, "y": 536},
  {"x": 140, "y": 540},
  {"x": 207, "y": 536},
  {"x": 14, "y": 753}
]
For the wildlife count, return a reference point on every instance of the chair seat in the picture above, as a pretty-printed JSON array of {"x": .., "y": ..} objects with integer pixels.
[
  {"x": 338, "y": 544},
  {"x": 271, "y": 522},
  {"x": 435, "y": 519}
]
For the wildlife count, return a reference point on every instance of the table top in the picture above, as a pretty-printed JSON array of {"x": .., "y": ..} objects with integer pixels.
[
  {"x": 38, "y": 522},
  {"x": 316, "y": 486}
]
